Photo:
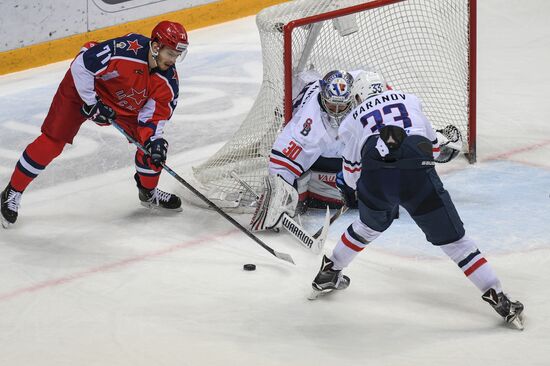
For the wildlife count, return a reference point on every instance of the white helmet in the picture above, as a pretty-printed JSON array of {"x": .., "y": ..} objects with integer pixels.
[
  {"x": 336, "y": 94},
  {"x": 367, "y": 84}
]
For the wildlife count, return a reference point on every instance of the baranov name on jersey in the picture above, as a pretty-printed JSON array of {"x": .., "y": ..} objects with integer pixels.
[{"x": 373, "y": 102}]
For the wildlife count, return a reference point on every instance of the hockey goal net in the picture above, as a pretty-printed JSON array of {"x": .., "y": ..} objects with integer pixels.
[{"x": 425, "y": 47}]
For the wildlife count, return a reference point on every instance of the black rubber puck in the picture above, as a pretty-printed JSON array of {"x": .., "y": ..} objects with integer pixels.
[{"x": 249, "y": 267}]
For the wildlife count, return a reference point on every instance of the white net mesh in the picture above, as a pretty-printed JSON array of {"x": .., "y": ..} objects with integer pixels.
[{"x": 420, "y": 46}]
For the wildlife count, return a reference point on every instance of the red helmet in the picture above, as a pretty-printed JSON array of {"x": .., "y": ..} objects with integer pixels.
[{"x": 170, "y": 34}]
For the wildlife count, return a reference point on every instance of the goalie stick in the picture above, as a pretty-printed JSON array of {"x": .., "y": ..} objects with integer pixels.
[
  {"x": 283, "y": 256},
  {"x": 315, "y": 243},
  {"x": 333, "y": 218}
]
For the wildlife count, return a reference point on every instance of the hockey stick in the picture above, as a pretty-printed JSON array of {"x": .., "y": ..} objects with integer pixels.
[
  {"x": 283, "y": 256},
  {"x": 333, "y": 218},
  {"x": 296, "y": 230}
]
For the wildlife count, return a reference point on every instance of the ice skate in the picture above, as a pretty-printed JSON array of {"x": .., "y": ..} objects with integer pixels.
[
  {"x": 511, "y": 311},
  {"x": 158, "y": 199},
  {"x": 328, "y": 280},
  {"x": 10, "y": 205}
]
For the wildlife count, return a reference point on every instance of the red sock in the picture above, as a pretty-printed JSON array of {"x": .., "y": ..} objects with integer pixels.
[
  {"x": 34, "y": 160},
  {"x": 149, "y": 175}
]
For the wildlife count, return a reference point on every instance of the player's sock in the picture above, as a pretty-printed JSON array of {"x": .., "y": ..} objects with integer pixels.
[
  {"x": 471, "y": 261},
  {"x": 352, "y": 241},
  {"x": 34, "y": 160},
  {"x": 148, "y": 175}
]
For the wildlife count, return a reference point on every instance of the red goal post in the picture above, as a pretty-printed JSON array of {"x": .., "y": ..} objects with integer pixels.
[
  {"x": 472, "y": 35},
  {"x": 424, "y": 47}
]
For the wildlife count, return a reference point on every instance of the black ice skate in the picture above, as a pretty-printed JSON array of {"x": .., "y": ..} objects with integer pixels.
[
  {"x": 10, "y": 204},
  {"x": 328, "y": 280},
  {"x": 157, "y": 199},
  {"x": 509, "y": 310}
]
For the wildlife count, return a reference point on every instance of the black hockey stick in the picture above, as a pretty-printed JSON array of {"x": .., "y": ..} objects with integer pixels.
[{"x": 283, "y": 256}]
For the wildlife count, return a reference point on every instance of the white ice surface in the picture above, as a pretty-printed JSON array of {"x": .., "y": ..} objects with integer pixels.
[{"x": 88, "y": 277}]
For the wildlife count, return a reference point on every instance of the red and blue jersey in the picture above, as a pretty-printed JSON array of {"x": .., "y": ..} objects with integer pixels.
[{"x": 117, "y": 72}]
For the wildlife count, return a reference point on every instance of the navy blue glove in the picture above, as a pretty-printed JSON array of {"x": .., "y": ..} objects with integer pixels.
[
  {"x": 157, "y": 150},
  {"x": 99, "y": 113},
  {"x": 349, "y": 196}
]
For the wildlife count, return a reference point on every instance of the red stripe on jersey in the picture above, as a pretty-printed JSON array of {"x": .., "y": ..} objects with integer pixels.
[
  {"x": 286, "y": 165},
  {"x": 352, "y": 170},
  {"x": 475, "y": 266},
  {"x": 349, "y": 244}
]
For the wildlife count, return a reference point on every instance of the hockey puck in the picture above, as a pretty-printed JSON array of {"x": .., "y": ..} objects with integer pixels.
[{"x": 249, "y": 267}]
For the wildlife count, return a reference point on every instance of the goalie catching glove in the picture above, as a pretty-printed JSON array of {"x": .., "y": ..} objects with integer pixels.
[
  {"x": 450, "y": 143},
  {"x": 278, "y": 198}
]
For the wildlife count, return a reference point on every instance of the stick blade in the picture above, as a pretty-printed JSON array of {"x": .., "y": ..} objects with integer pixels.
[{"x": 284, "y": 256}]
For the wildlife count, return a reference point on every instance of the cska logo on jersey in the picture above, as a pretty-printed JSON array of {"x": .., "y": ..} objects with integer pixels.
[
  {"x": 134, "y": 46},
  {"x": 137, "y": 96}
]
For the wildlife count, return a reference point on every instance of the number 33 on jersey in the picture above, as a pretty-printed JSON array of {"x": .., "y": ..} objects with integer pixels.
[{"x": 393, "y": 108}]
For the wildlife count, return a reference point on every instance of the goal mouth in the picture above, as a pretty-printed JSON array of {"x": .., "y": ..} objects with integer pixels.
[{"x": 423, "y": 47}]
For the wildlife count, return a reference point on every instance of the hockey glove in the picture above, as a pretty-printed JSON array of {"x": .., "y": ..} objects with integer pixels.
[
  {"x": 99, "y": 113},
  {"x": 349, "y": 195},
  {"x": 450, "y": 143},
  {"x": 157, "y": 149}
]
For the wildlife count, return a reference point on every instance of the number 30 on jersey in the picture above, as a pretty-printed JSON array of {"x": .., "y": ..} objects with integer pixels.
[{"x": 292, "y": 151}]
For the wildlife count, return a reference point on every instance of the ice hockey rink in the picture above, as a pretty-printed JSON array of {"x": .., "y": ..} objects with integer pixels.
[{"x": 89, "y": 277}]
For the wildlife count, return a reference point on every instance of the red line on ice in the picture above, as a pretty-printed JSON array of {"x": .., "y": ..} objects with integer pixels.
[{"x": 109, "y": 267}]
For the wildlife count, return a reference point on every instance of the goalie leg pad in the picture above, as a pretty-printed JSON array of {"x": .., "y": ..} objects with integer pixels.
[
  {"x": 322, "y": 187},
  {"x": 278, "y": 198}
]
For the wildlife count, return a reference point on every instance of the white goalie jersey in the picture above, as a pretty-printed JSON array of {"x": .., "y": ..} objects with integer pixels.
[
  {"x": 391, "y": 107},
  {"x": 306, "y": 137}
]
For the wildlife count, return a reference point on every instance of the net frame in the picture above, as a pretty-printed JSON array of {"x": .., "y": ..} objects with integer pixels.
[{"x": 472, "y": 61}]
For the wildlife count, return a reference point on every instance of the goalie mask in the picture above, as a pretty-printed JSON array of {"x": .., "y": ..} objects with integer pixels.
[
  {"x": 336, "y": 94},
  {"x": 368, "y": 84}
]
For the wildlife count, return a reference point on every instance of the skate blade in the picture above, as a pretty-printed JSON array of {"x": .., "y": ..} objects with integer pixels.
[
  {"x": 5, "y": 223},
  {"x": 516, "y": 323},
  {"x": 315, "y": 294},
  {"x": 161, "y": 209}
]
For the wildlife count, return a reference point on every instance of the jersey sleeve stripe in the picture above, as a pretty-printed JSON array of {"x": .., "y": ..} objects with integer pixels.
[
  {"x": 286, "y": 165},
  {"x": 352, "y": 170},
  {"x": 280, "y": 155},
  {"x": 351, "y": 162}
]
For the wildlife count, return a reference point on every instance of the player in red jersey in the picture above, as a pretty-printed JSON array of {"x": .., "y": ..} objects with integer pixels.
[{"x": 131, "y": 79}]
